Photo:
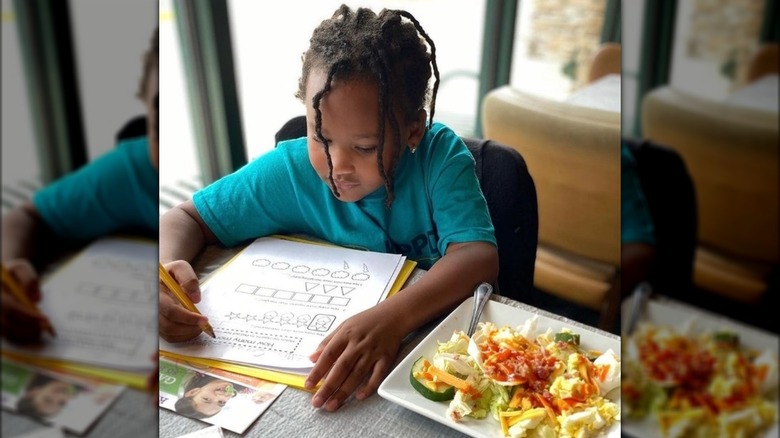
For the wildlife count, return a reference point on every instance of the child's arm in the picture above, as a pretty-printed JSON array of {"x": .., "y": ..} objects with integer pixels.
[
  {"x": 365, "y": 346},
  {"x": 183, "y": 234},
  {"x": 19, "y": 228}
]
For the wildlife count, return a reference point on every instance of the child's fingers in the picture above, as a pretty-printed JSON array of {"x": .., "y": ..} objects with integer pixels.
[
  {"x": 25, "y": 275},
  {"x": 19, "y": 324},
  {"x": 345, "y": 375},
  {"x": 316, "y": 355},
  {"x": 153, "y": 380},
  {"x": 326, "y": 357},
  {"x": 184, "y": 274},
  {"x": 380, "y": 370},
  {"x": 176, "y": 322}
]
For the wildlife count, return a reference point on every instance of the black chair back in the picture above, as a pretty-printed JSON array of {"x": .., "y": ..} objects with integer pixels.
[
  {"x": 135, "y": 127},
  {"x": 671, "y": 198}
]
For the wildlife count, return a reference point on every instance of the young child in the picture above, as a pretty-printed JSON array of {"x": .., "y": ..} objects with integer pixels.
[
  {"x": 370, "y": 174},
  {"x": 117, "y": 192}
]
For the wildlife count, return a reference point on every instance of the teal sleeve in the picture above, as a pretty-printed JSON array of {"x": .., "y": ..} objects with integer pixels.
[
  {"x": 460, "y": 211},
  {"x": 636, "y": 224},
  {"x": 117, "y": 191},
  {"x": 256, "y": 200}
]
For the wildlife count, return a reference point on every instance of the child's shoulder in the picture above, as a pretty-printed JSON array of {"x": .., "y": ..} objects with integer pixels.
[
  {"x": 285, "y": 150},
  {"x": 292, "y": 146},
  {"x": 137, "y": 149},
  {"x": 442, "y": 139}
]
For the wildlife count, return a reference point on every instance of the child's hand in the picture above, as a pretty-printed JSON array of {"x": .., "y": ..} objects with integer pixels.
[
  {"x": 178, "y": 324},
  {"x": 19, "y": 324},
  {"x": 364, "y": 346},
  {"x": 153, "y": 379}
]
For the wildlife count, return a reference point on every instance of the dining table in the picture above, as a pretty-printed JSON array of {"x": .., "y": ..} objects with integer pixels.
[
  {"x": 292, "y": 414},
  {"x": 132, "y": 415}
]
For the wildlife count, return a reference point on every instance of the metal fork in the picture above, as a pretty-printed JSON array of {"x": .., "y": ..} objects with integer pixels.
[{"x": 481, "y": 296}]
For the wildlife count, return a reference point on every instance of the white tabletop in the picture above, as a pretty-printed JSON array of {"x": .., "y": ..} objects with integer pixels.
[
  {"x": 291, "y": 415},
  {"x": 760, "y": 94},
  {"x": 602, "y": 94}
]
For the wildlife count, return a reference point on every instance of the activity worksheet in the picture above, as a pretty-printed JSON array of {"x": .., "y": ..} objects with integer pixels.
[
  {"x": 274, "y": 303},
  {"x": 103, "y": 306}
]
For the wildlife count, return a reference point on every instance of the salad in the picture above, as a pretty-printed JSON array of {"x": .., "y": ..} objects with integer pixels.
[
  {"x": 706, "y": 385},
  {"x": 531, "y": 385}
]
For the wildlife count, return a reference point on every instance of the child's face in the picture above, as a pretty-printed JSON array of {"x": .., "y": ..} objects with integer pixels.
[
  {"x": 350, "y": 121},
  {"x": 211, "y": 397},
  {"x": 50, "y": 398}
]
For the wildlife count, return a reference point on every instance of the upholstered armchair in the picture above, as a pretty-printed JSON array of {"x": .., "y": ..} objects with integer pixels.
[{"x": 573, "y": 155}]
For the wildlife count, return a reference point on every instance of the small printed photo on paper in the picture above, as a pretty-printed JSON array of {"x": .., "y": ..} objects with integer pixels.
[
  {"x": 54, "y": 398},
  {"x": 218, "y": 397}
]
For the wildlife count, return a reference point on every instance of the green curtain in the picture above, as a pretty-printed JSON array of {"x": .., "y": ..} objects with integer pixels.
[
  {"x": 610, "y": 30},
  {"x": 497, "y": 42},
  {"x": 770, "y": 32},
  {"x": 207, "y": 50},
  {"x": 656, "y": 46},
  {"x": 46, "y": 41}
]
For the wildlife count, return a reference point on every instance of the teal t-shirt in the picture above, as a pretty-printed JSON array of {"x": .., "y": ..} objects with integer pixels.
[
  {"x": 438, "y": 201},
  {"x": 117, "y": 191},
  {"x": 636, "y": 225}
]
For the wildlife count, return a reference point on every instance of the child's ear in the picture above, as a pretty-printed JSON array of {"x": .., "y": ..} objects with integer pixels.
[
  {"x": 192, "y": 392},
  {"x": 417, "y": 129}
]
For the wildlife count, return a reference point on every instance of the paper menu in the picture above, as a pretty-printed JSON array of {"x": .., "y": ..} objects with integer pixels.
[
  {"x": 103, "y": 305},
  {"x": 273, "y": 303}
]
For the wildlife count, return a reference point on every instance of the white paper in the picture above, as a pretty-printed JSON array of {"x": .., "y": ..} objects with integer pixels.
[
  {"x": 103, "y": 306},
  {"x": 277, "y": 300}
]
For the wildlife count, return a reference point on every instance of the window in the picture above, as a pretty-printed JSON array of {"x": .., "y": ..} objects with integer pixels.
[
  {"x": 268, "y": 58},
  {"x": 714, "y": 40},
  {"x": 554, "y": 41},
  {"x": 18, "y": 148},
  {"x": 110, "y": 39}
]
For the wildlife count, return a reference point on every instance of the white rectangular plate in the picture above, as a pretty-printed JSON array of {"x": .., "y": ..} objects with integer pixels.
[
  {"x": 397, "y": 388},
  {"x": 678, "y": 315}
]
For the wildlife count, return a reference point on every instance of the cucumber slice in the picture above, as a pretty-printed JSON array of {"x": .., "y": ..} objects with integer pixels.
[
  {"x": 429, "y": 389},
  {"x": 572, "y": 338},
  {"x": 727, "y": 337}
]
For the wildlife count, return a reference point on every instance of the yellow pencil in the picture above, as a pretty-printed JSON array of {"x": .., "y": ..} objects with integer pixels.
[
  {"x": 10, "y": 282},
  {"x": 182, "y": 297}
]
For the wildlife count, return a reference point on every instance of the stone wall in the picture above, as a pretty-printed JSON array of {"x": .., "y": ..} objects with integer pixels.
[
  {"x": 568, "y": 31},
  {"x": 726, "y": 32}
]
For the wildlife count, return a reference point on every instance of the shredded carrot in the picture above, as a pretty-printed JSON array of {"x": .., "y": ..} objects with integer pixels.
[
  {"x": 603, "y": 370},
  {"x": 547, "y": 407},
  {"x": 517, "y": 396},
  {"x": 761, "y": 371},
  {"x": 451, "y": 380}
]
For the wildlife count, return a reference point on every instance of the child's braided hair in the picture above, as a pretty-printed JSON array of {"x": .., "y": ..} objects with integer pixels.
[{"x": 383, "y": 47}]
